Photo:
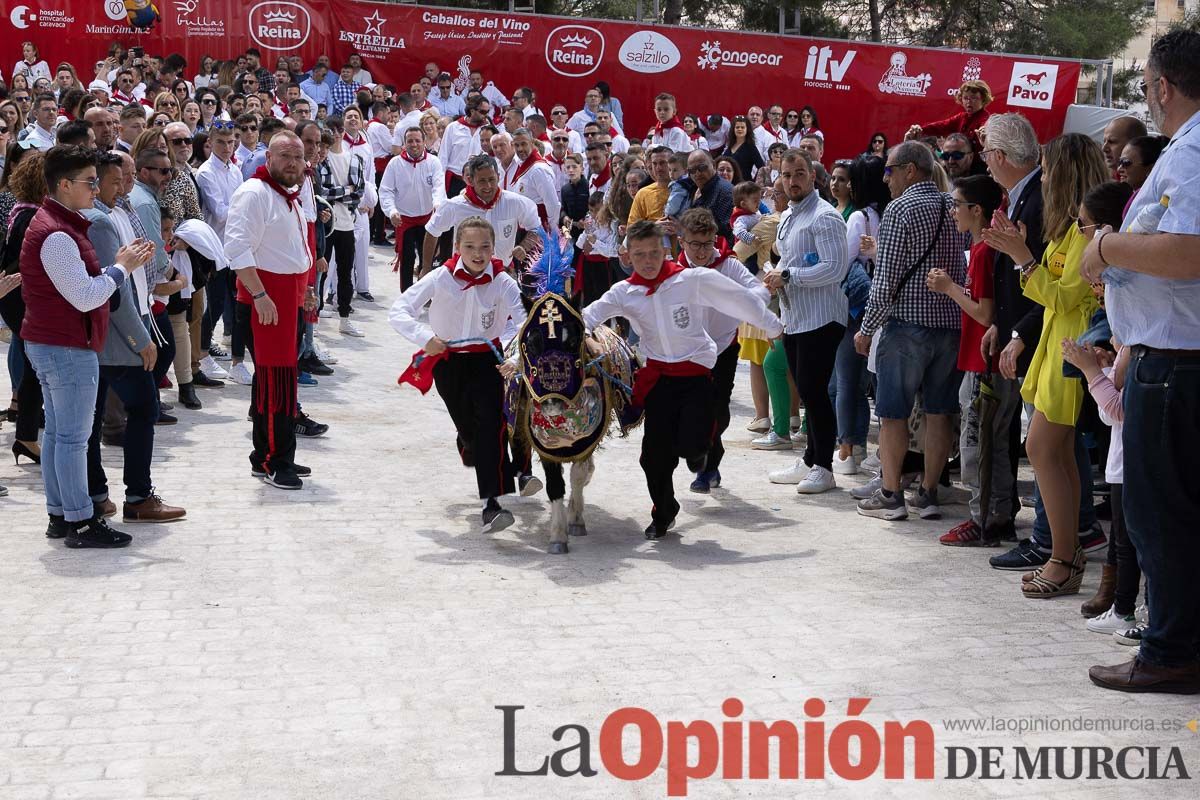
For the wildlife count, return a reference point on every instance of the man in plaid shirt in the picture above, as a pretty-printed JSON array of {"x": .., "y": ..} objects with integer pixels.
[
  {"x": 344, "y": 91},
  {"x": 918, "y": 342}
]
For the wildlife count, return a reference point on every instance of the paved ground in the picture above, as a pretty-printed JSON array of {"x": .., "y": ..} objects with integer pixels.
[{"x": 352, "y": 640}]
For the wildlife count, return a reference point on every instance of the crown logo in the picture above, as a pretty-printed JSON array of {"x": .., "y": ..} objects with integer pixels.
[
  {"x": 279, "y": 16},
  {"x": 576, "y": 40}
]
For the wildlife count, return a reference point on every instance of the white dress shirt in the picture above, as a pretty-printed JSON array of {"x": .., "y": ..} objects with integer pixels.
[
  {"x": 722, "y": 328},
  {"x": 218, "y": 181},
  {"x": 412, "y": 190},
  {"x": 263, "y": 230},
  {"x": 539, "y": 184},
  {"x": 674, "y": 138},
  {"x": 811, "y": 240},
  {"x": 671, "y": 322},
  {"x": 459, "y": 143},
  {"x": 380, "y": 138},
  {"x": 410, "y": 120},
  {"x": 511, "y": 211},
  {"x": 455, "y": 312}
]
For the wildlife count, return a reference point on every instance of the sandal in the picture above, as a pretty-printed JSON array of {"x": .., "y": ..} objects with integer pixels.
[{"x": 1042, "y": 588}]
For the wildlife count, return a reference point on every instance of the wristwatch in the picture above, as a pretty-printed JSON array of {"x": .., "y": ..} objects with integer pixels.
[{"x": 1016, "y": 335}]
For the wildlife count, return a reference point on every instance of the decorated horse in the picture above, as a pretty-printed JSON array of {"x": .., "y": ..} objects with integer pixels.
[{"x": 569, "y": 392}]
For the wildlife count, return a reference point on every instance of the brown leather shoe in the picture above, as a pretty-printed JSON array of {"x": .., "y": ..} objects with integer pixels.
[
  {"x": 152, "y": 509},
  {"x": 105, "y": 509},
  {"x": 1105, "y": 594},
  {"x": 1138, "y": 676}
]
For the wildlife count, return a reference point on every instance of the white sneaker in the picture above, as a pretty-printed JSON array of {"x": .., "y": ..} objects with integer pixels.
[
  {"x": 241, "y": 374},
  {"x": 845, "y": 466},
  {"x": 772, "y": 441},
  {"x": 799, "y": 439},
  {"x": 795, "y": 423},
  {"x": 792, "y": 474},
  {"x": 210, "y": 367},
  {"x": 759, "y": 425},
  {"x": 323, "y": 354},
  {"x": 818, "y": 480},
  {"x": 327, "y": 312},
  {"x": 348, "y": 328},
  {"x": 1111, "y": 622},
  {"x": 871, "y": 463},
  {"x": 867, "y": 489}
]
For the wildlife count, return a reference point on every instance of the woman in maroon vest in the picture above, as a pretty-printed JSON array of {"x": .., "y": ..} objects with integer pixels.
[{"x": 66, "y": 294}]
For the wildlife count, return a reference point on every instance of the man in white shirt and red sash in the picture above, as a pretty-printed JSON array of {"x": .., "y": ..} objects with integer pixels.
[
  {"x": 531, "y": 176},
  {"x": 379, "y": 137},
  {"x": 668, "y": 307},
  {"x": 267, "y": 242},
  {"x": 412, "y": 187}
]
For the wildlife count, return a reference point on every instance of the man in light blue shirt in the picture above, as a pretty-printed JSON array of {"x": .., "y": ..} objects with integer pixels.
[
  {"x": 316, "y": 87},
  {"x": 1151, "y": 273}
]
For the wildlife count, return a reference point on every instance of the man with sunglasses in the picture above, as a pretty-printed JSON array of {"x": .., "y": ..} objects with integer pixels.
[
  {"x": 702, "y": 187},
  {"x": 447, "y": 103},
  {"x": 248, "y": 144},
  {"x": 557, "y": 157},
  {"x": 958, "y": 157}
]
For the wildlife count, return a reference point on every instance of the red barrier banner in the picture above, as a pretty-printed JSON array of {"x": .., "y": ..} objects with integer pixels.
[{"x": 856, "y": 88}]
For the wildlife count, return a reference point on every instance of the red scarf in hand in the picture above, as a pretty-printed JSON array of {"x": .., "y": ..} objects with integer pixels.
[
  {"x": 404, "y": 155},
  {"x": 662, "y": 127},
  {"x": 470, "y": 280},
  {"x": 353, "y": 142},
  {"x": 602, "y": 177},
  {"x": 668, "y": 269},
  {"x": 475, "y": 200},
  {"x": 723, "y": 253}
]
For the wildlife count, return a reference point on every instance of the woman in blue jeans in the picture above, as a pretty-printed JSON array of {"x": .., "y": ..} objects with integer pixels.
[{"x": 66, "y": 294}]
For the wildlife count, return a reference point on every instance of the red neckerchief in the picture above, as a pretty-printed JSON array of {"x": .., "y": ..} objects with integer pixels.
[
  {"x": 526, "y": 165},
  {"x": 556, "y": 161},
  {"x": 738, "y": 211},
  {"x": 475, "y": 200},
  {"x": 462, "y": 274},
  {"x": 662, "y": 127},
  {"x": 602, "y": 177},
  {"x": 718, "y": 260},
  {"x": 283, "y": 106},
  {"x": 769, "y": 128},
  {"x": 122, "y": 98},
  {"x": 613, "y": 132},
  {"x": 669, "y": 268},
  {"x": 404, "y": 155},
  {"x": 426, "y": 106},
  {"x": 353, "y": 142},
  {"x": 463, "y": 121},
  {"x": 543, "y": 137},
  {"x": 265, "y": 176},
  {"x": 695, "y": 136}
]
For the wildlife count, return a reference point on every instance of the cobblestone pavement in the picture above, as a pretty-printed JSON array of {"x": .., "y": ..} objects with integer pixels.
[{"x": 353, "y": 639}]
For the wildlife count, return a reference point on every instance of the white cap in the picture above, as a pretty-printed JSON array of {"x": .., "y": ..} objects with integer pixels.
[{"x": 99, "y": 85}]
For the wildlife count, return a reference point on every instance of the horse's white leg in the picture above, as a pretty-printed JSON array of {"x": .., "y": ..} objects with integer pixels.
[
  {"x": 581, "y": 475},
  {"x": 558, "y": 527}
]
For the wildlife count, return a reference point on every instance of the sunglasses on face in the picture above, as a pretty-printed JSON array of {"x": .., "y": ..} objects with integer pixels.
[
  {"x": 793, "y": 116},
  {"x": 166, "y": 172},
  {"x": 245, "y": 128},
  {"x": 950, "y": 155},
  {"x": 563, "y": 141},
  {"x": 889, "y": 168},
  {"x": 20, "y": 99},
  {"x": 558, "y": 113},
  {"x": 1125, "y": 162},
  {"x": 94, "y": 183},
  {"x": 160, "y": 123},
  {"x": 208, "y": 101},
  {"x": 181, "y": 140},
  {"x": 699, "y": 168}
]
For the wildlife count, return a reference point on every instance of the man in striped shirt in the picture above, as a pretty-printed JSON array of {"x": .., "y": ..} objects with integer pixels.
[{"x": 918, "y": 343}]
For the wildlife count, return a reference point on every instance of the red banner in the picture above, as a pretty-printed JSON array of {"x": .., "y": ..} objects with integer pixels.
[{"x": 856, "y": 87}]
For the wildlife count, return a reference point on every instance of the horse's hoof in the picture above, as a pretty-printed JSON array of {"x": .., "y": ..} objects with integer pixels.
[
  {"x": 557, "y": 548},
  {"x": 576, "y": 529}
]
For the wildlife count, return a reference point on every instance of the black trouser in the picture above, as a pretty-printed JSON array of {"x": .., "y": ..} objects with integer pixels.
[
  {"x": 139, "y": 395},
  {"x": 1161, "y": 498},
  {"x": 166, "y": 350},
  {"x": 377, "y": 220},
  {"x": 473, "y": 391},
  {"x": 220, "y": 307},
  {"x": 29, "y": 402},
  {"x": 410, "y": 251},
  {"x": 722, "y": 377},
  {"x": 273, "y": 433},
  {"x": 343, "y": 243},
  {"x": 1129, "y": 574},
  {"x": 811, "y": 356},
  {"x": 678, "y": 424},
  {"x": 445, "y": 247}
]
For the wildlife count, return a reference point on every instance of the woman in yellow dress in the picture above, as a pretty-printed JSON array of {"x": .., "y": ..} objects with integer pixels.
[{"x": 1072, "y": 166}]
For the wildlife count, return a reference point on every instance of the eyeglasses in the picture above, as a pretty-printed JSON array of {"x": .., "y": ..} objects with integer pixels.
[
  {"x": 181, "y": 140},
  {"x": 699, "y": 168},
  {"x": 208, "y": 101},
  {"x": 964, "y": 204},
  {"x": 247, "y": 128},
  {"x": 560, "y": 139},
  {"x": 951, "y": 155},
  {"x": 691, "y": 243},
  {"x": 20, "y": 99},
  {"x": 166, "y": 172},
  {"x": 984, "y": 153},
  {"x": 887, "y": 169},
  {"x": 169, "y": 104},
  {"x": 793, "y": 116},
  {"x": 160, "y": 123},
  {"x": 1124, "y": 162},
  {"x": 94, "y": 183}
]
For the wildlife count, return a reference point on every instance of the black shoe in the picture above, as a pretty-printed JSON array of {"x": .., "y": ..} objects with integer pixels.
[
  {"x": 308, "y": 427},
  {"x": 95, "y": 532},
  {"x": 58, "y": 527},
  {"x": 496, "y": 518},
  {"x": 187, "y": 396},
  {"x": 166, "y": 419},
  {"x": 163, "y": 405},
  {"x": 1025, "y": 556},
  {"x": 299, "y": 469},
  {"x": 1002, "y": 532},
  {"x": 657, "y": 530},
  {"x": 529, "y": 485},
  {"x": 315, "y": 366},
  {"x": 284, "y": 479},
  {"x": 367, "y": 296},
  {"x": 200, "y": 379}
]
